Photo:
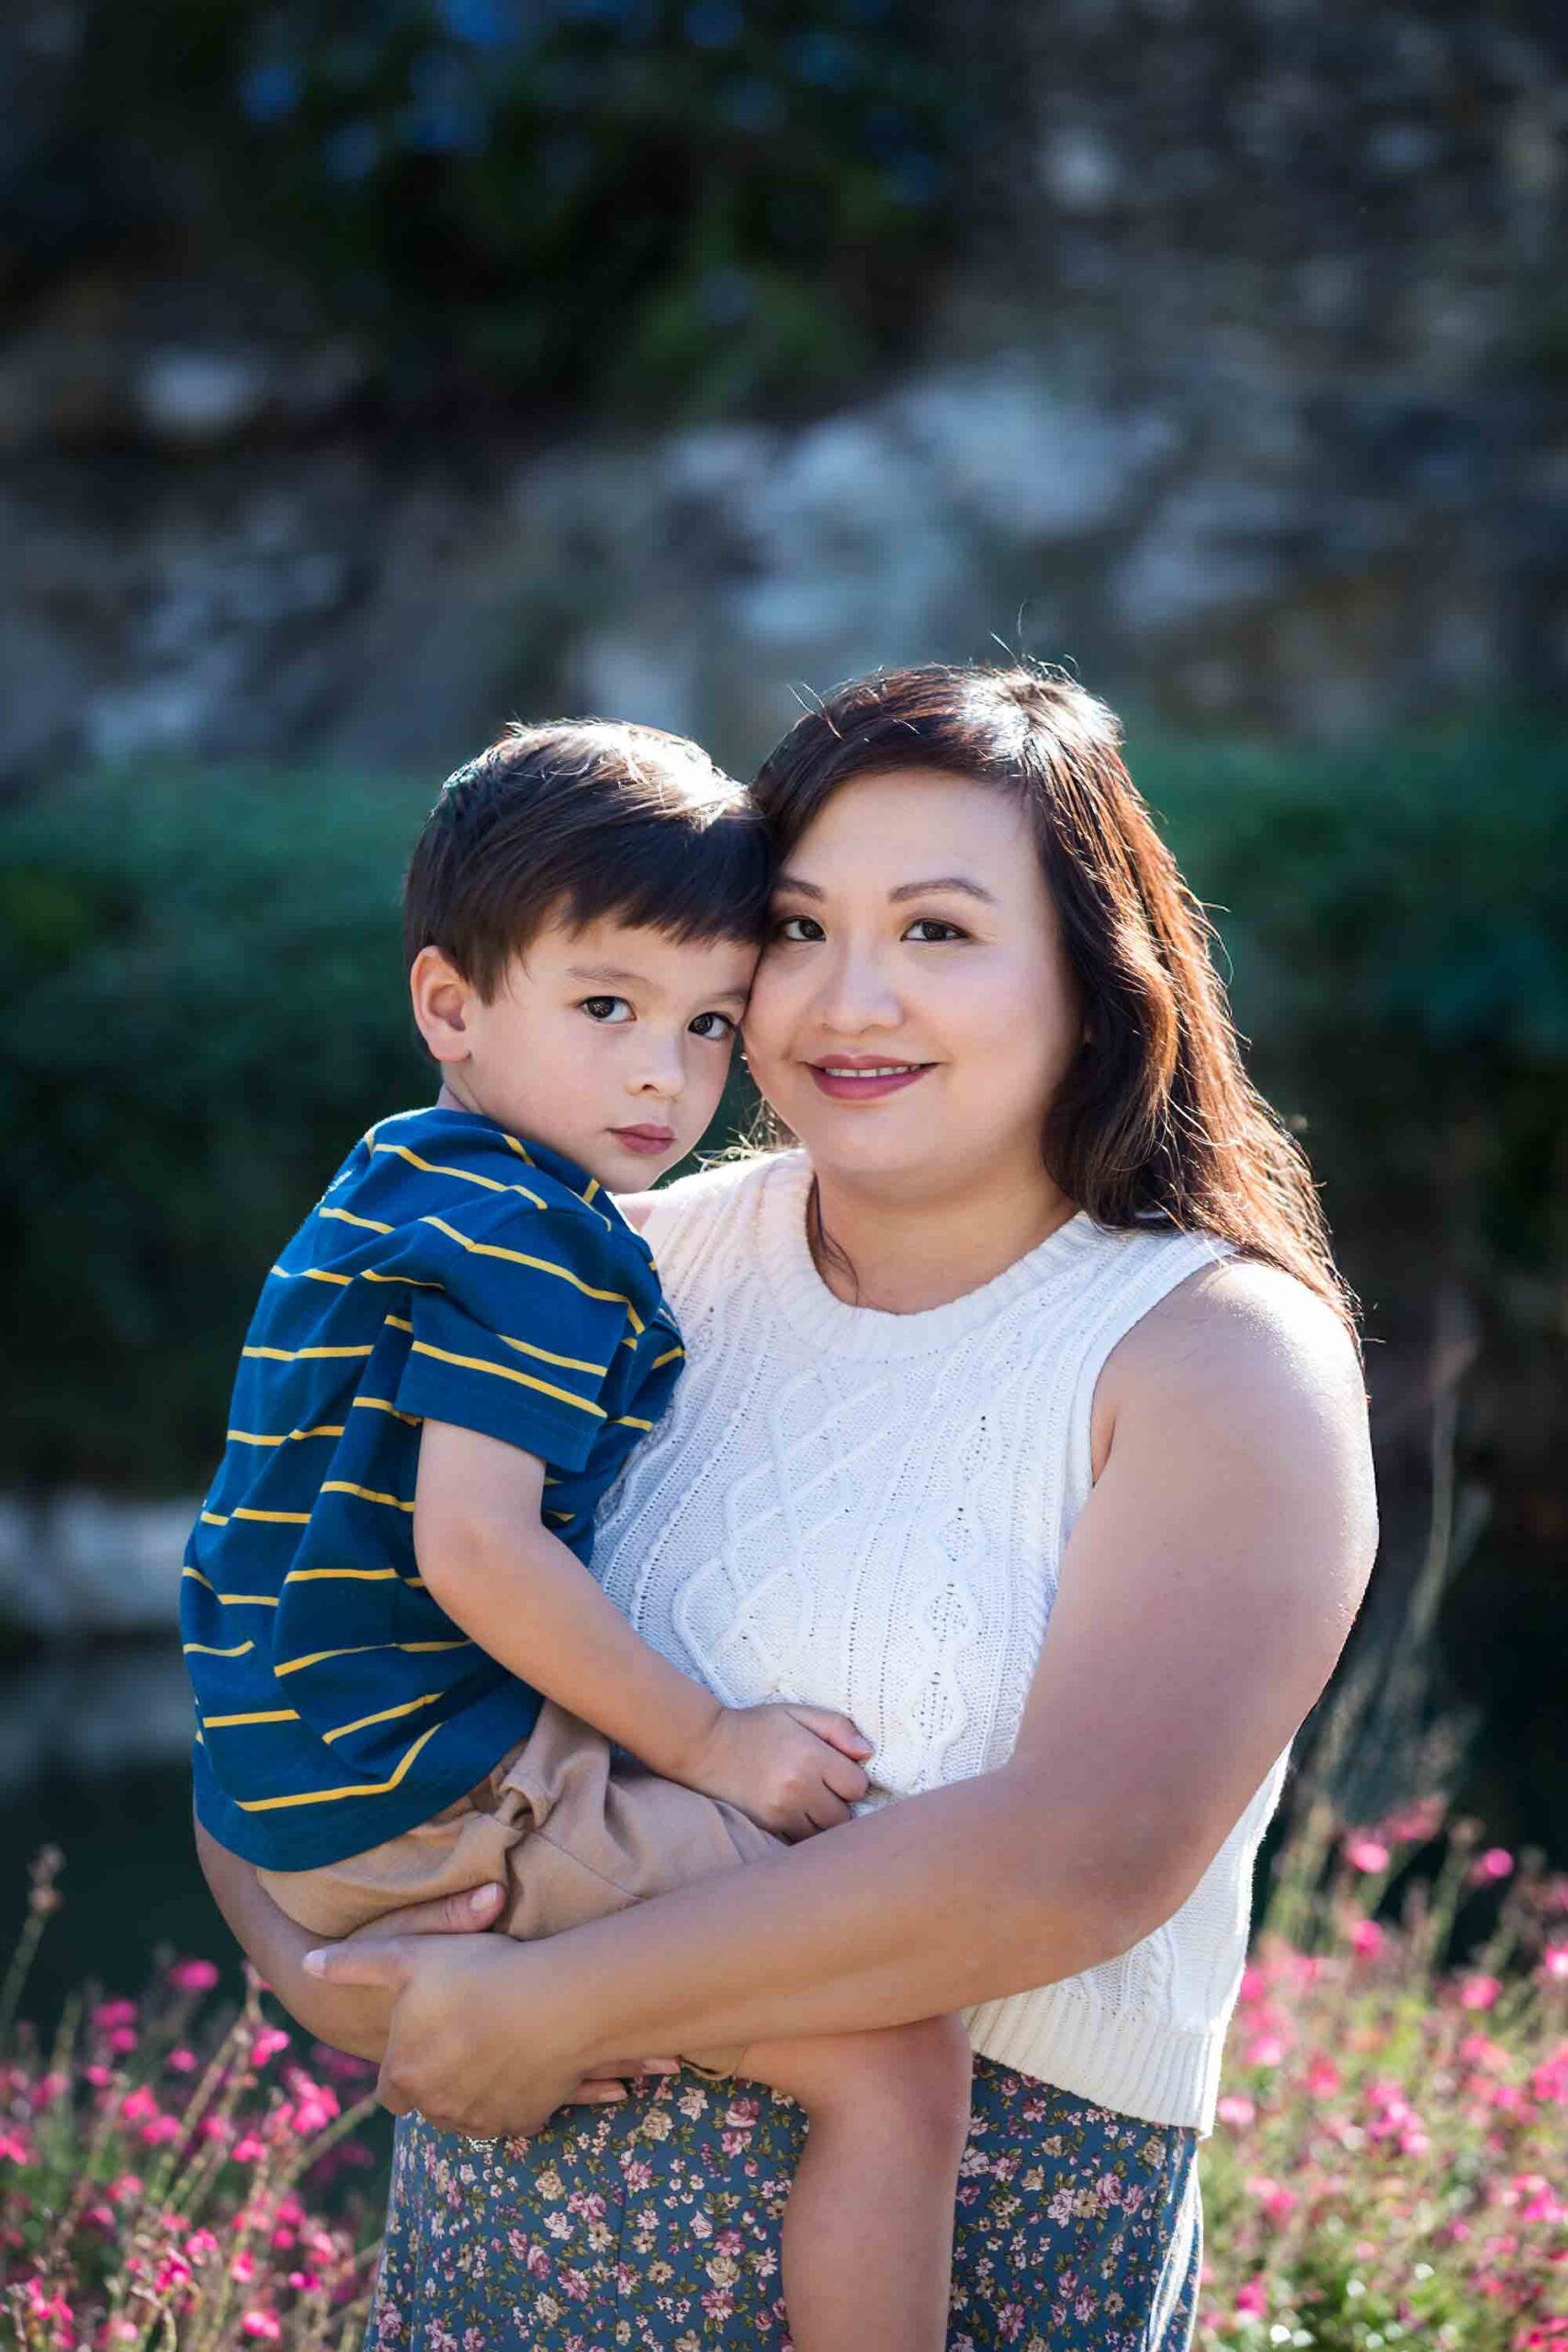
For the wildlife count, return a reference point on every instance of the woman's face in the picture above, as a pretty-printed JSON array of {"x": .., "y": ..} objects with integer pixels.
[{"x": 914, "y": 1012}]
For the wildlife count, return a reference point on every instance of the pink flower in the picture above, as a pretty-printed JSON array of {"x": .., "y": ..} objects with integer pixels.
[
  {"x": 1541, "y": 2200},
  {"x": 193, "y": 1975},
  {"x": 138, "y": 2105},
  {"x": 1237, "y": 2110},
  {"x": 1366, "y": 1853},
  {"x": 1495, "y": 1863},
  {"x": 246, "y": 2149},
  {"x": 1321, "y": 2078},
  {"x": 268, "y": 2043},
  {"x": 242, "y": 2267},
  {"x": 1276, "y": 2202},
  {"x": 1366, "y": 1940},
  {"x": 181, "y": 2062},
  {"x": 14, "y": 2148},
  {"x": 1555, "y": 1964},
  {"x": 1253, "y": 2295},
  {"x": 123, "y": 2040},
  {"x": 1414, "y": 1822},
  {"x": 110, "y": 2014},
  {"x": 1265, "y": 2050},
  {"x": 1479, "y": 1992},
  {"x": 264, "y": 2323}
]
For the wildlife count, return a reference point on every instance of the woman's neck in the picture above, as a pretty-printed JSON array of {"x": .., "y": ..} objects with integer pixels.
[{"x": 873, "y": 1248}]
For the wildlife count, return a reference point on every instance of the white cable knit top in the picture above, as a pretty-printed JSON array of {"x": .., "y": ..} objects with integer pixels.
[{"x": 868, "y": 1511}]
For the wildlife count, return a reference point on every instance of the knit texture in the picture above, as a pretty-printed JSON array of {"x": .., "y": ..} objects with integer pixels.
[{"x": 868, "y": 1511}]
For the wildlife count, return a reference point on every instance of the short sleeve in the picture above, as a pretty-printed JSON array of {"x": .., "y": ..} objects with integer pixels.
[{"x": 516, "y": 1316}]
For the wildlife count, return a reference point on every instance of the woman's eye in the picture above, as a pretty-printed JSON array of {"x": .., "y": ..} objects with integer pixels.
[
  {"x": 798, "y": 930},
  {"x": 606, "y": 1008},
  {"x": 718, "y": 1027},
  {"x": 929, "y": 930}
]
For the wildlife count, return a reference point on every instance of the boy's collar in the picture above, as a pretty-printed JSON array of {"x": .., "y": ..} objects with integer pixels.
[{"x": 566, "y": 1171}]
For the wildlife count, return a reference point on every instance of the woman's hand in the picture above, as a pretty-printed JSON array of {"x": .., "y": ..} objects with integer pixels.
[{"x": 455, "y": 2053}]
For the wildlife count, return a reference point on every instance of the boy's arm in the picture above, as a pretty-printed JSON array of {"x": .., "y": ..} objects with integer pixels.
[{"x": 526, "y": 1598}]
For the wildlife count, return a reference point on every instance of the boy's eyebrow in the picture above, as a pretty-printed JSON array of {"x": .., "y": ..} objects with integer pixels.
[
  {"x": 616, "y": 977},
  {"x": 905, "y": 889}
]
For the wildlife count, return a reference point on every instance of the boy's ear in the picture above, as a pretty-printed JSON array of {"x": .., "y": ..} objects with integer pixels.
[{"x": 441, "y": 998}]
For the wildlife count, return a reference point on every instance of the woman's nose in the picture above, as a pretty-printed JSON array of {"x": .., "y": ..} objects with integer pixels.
[{"x": 857, "y": 993}]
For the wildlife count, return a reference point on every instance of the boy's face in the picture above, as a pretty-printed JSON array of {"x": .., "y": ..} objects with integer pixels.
[{"x": 608, "y": 1044}]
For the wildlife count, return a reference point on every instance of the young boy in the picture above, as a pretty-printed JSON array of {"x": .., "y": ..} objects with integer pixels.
[{"x": 407, "y": 1682}]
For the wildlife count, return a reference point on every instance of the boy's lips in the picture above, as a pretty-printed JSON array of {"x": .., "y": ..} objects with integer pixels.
[
  {"x": 645, "y": 1139},
  {"x": 864, "y": 1078}
]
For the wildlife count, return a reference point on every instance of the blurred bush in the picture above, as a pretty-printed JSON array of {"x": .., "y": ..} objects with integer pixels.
[
  {"x": 626, "y": 203},
  {"x": 201, "y": 989},
  {"x": 206, "y": 1000},
  {"x": 1396, "y": 921}
]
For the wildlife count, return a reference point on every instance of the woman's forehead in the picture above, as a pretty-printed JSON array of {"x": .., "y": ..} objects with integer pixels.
[{"x": 890, "y": 826}]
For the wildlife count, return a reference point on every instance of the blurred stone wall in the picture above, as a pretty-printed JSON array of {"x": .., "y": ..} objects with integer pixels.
[{"x": 1247, "y": 395}]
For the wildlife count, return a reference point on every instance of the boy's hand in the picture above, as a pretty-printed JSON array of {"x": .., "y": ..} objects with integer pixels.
[{"x": 794, "y": 1770}]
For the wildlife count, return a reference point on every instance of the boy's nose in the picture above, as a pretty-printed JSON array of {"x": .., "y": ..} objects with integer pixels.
[{"x": 664, "y": 1074}]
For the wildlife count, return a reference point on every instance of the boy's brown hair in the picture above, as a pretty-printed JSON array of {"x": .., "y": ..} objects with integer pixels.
[{"x": 578, "y": 819}]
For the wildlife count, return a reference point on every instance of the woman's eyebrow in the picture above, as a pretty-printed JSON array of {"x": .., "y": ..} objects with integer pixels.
[
  {"x": 943, "y": 882},
  {"x": 904, "y": 890}
]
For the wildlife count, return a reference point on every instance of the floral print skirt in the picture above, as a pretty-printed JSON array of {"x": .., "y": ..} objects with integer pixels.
[{"x": 654, "y": 2226}]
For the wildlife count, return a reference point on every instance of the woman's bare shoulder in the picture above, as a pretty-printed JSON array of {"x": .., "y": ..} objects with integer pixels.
[{"x": 1246, "y": 1341}]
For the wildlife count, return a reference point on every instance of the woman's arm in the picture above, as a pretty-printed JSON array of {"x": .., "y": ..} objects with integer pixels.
[{"x": 1205, "y": 1596}]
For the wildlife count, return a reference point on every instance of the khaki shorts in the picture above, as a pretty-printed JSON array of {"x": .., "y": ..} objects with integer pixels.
[{"x": 572, "y": 1830}]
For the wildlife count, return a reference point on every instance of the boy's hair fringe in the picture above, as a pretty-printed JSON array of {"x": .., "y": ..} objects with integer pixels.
[{"x": 574, "y": 820}]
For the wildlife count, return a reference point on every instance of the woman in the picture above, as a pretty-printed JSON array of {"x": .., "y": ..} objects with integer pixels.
[{"x": 1038, "y": 1328}]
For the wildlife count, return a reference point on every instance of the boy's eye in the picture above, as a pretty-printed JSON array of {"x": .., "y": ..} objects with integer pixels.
[
  {"x": 606, "y": 1008},
  {"x": 799, "y": 930},
  {"x": 935, "y": 930},
  {"x": 718, "y": 1027}
]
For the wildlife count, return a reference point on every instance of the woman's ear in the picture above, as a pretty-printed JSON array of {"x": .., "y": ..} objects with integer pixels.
[{"x": 441, "y": 998}]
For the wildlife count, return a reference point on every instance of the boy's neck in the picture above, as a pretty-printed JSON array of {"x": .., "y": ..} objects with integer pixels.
[{"x": 451, "y": 1099}]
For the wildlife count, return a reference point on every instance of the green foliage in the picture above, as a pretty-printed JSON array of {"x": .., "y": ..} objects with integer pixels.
[
  {"x": 645, "y": 205},
  {"x": 204, "y": 1005},
  {"x": 1395, "y": 921}
]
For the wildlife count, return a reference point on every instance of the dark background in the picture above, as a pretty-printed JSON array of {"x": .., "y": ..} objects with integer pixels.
[{"x": 369, "y": 374}]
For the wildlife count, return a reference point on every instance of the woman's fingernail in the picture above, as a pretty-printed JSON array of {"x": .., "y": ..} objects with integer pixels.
[
  {"x": 481, "y": 1899},
  {"x": 315, "y": 1963}
]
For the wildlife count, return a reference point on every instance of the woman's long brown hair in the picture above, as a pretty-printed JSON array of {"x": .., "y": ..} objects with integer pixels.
[{"x": 1157, "y": 1122}]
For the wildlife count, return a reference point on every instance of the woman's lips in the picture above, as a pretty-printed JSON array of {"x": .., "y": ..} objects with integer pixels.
[
  {"x": 644, "y": 1141},
  {"x": 853, "y": 1079}
]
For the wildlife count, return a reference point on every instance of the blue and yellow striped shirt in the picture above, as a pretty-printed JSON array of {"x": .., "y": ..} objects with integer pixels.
[{"x": 449, "y": 1272}]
